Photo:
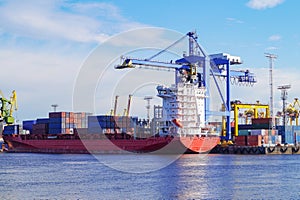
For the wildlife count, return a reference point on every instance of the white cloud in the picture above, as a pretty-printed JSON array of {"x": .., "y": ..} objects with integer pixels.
[
  {"x": 263, "y": 4},
  {"x": 80, "y": 22},
  {"x": 44, "y": 43},
  {"x": 272, "y": 48},
  {"x": 39, "y": 79},
  {"x": 274, "y": 38},
  {"x": 234, "y": 20}
]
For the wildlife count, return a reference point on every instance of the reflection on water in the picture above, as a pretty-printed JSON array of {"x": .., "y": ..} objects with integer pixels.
[{"x": 44, "y": 176}]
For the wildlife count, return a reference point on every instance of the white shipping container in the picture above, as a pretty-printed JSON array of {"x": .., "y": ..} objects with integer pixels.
[{"x": 258, "y": 132}]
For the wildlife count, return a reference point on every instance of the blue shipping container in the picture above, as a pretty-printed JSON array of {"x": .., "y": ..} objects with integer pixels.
[
  {"x": 57, "y": 131},
  {"x": 11, "y": 129},
  {"x": 289, "y": 135},
  {"x": 101, "y": 124},
  {"x": 56, "y": 126},
  {"x": 103, "y": 118},
  {"x": 57, "y": 120},
  {"x": 28, "y": 124},
  {"x": 42, "y": 121}
]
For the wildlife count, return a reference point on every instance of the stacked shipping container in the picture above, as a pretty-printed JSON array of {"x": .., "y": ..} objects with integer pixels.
[
  {"x": 257, "y": 133},
  {"x": 41, "y": 126},
  {"x": 110, "y": 124},
  {"x": 57, "y": 123},
  {"x": 290, "y": 134},
  {"x": 100, "y": 124},
  {"x": 81, "y": 122},
  {"x": 28, "y": 125},
  {"x": 65, "y": 122},
  {"x": 11, "y": 129}
]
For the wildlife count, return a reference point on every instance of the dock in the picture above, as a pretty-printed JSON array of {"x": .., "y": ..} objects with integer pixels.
[{"x": 256, "y": 150}]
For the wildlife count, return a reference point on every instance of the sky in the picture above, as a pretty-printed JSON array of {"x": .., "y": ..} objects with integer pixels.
[{"x": 44, "y": 44}]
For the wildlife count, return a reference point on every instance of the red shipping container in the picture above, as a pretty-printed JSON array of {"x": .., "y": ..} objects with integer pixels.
[
  {"x": 240, "y": 140},
  {"x": 57, "y": 114},
  {"x": 254, "y": 140},
  {"x": 261, "y": 120}
]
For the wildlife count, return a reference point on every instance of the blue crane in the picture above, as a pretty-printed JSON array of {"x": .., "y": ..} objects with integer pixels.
[{"x": 216, "y": 65}]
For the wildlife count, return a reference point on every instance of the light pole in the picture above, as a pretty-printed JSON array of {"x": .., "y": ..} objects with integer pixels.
[
  {"x": 54, "y": 107},
  {"x": 284, "y": 93},
  {"x": 271, "y": 58}
]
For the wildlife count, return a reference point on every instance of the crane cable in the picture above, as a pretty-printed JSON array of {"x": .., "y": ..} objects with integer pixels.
[{"x": 160, "y": 52}]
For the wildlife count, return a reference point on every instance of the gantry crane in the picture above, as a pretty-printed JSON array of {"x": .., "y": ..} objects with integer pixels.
[
  {"x": 250, "y": 110},
  {"x": 205, "y": 66}
]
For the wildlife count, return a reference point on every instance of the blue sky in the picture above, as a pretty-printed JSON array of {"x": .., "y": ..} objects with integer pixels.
[{"x": 44, "y": 43}]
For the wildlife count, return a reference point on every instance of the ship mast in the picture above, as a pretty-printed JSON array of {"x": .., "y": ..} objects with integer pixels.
[{"x": 148, "y": 98}]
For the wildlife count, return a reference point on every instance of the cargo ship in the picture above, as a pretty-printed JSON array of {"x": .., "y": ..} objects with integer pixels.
[{"x": 179, "y": 125}]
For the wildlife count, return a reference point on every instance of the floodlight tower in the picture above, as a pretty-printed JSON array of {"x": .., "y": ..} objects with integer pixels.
[
  {"x": 284, "y": 94},
  {"x": 271, "y": 59}
]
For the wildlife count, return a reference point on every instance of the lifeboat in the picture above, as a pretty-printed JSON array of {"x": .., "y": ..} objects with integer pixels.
[{"x": 177, "y": 123}]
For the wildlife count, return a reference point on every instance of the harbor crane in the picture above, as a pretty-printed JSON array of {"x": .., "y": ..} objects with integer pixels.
[
  {"x": 115, "y": 105},
  {"x": 202, "y": 66},
  {"x": 293, "y": 110},
  {"x": 127, "y": 110},
  {"x": 7, "y": 107}
]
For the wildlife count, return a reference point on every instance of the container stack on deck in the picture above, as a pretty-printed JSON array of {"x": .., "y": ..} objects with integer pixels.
[
  {"x": 41, "y": 126},
  {"x": 81, "y": 122},
  {"x": 57, "y": 123},
  {"x": 100, "y": 124},
  {"x": 111, "y": 124}
]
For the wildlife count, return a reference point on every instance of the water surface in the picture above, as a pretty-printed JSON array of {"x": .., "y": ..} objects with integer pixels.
[{"x": 59, "y": 176}]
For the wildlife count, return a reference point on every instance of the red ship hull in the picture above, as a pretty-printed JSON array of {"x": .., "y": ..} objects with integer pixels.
[{"x": 95, "y": 144}]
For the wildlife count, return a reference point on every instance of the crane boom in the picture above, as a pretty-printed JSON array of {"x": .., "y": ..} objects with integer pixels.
[
  {"x": 128, "y": 105},
  {"x": 134, "y": 62},
  {"x": 239, "y": 75},
  {"x": 116, "y": 104}
]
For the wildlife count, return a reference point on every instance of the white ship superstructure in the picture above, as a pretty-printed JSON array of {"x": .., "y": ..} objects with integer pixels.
[{"x": 183, "y": 108}]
